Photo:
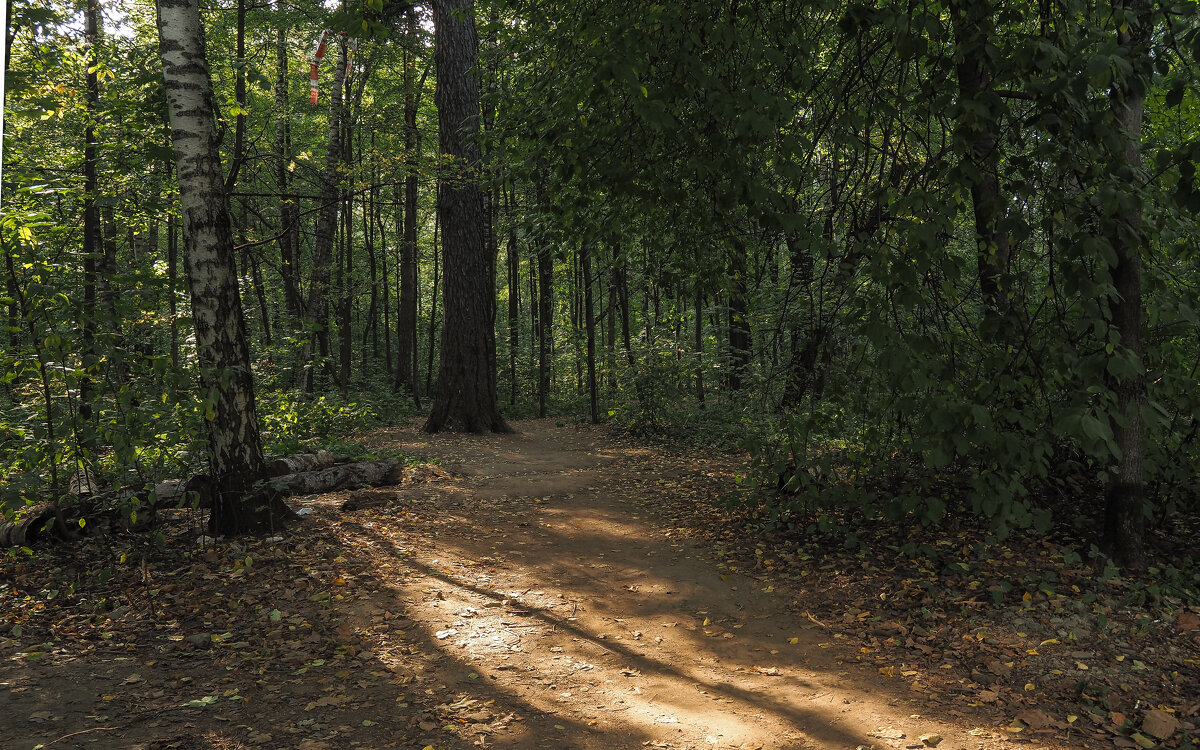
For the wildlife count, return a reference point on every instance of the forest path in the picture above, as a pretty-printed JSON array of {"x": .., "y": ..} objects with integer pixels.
[
  {"x": 547, "y": 565},
  {"x": 551, "y": 588}
]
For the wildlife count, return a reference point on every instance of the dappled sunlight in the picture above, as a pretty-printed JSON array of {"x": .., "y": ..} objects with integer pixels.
[
  {"x": 631, "y": 688},
  {"x": 505, "y": 602},
  {"x": 559, "y": 583}
]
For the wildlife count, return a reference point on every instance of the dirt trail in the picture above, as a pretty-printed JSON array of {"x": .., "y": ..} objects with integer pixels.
[
  {"x": 558, "y": 579},
  {"x": 542, "y": 590}
]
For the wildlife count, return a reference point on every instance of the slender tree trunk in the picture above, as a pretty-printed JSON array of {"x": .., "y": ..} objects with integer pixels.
[
  {"x": 513, "y": 266},
  {"x": 172, "y": 273},
  {"x": 465, "y": 398},
  {"x": 433, "y": 298},
  {"x": 972, "y": 23},
  {"x": 289, "y": 215},
  {"x": 611, "y": 324},
  {"x": 239, "y": 97},
  {"x": 346, "y": 283},
  {"x": 226, "y": 381},
  {"x": 386, "y": 282},
  {"x": 590, "y": 322},
  {"x": 406, "y": 322},
  {"x": 260, "y": 292},
  {"x": 92, "y": 237},
  {"x": 1125, "y": 518},
  {"x": 739, "y": 323},
  {"x": 317, "y": 313},
  {"x": 545, "y": 263},
  {"x": 371, "y": 328},
  {"x": 699, "y": 345}
]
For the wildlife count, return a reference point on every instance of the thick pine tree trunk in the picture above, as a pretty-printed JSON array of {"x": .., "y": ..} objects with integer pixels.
[
  {"x": 226, "y": 381},
  {"x": 465, "y": 397},
  {"x": 1125, "y": 518}
]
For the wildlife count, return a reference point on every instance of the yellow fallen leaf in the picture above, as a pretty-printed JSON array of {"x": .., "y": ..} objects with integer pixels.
[
  {"x": 1072, "y": 718},
  {"x": 888, "y": 671},
  {"x": 1030, "y": 687},
  {"x": 793, "y": 641}
]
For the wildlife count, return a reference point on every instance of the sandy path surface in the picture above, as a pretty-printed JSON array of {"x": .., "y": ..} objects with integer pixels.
[
  {"x": 544, "y": 589},
  {"x": 558, "y": 577}
]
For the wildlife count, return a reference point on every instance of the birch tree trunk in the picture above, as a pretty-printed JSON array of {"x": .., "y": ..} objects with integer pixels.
[
  {"x": 465, "y": 397},
  {"x": 236, "y": 454}
]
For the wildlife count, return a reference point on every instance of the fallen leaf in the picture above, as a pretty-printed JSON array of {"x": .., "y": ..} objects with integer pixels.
[{"x": 1159, "y": 723}]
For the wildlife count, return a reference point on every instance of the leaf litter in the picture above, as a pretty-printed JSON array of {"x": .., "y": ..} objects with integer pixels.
[{"x": 255, "y": 644}]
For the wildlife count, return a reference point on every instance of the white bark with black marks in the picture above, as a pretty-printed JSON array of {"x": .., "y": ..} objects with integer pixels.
[{"x": 226, "y": 380}]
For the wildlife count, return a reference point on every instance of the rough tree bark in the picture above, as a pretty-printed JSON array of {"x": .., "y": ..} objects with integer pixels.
[
  {"x": 1124, "y": 517},
  {"x": 465, "y": 397},
  {"x": 236, "y": 454}
]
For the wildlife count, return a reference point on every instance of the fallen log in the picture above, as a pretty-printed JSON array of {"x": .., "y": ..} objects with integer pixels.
[
  {"x": 302, "y": 462},
  {"x": 34, "y": 523},
  {"x": 385, "y": 471},
  {"x": 27, "y": 525}
]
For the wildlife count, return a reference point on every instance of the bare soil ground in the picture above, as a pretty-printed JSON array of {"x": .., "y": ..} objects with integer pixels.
[{"x": 544, "y": 589}]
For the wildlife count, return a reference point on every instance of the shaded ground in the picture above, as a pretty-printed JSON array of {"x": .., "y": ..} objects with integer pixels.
[{"x": 552, "y": 588}]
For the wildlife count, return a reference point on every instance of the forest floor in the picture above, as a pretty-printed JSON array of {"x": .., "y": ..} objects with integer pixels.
[{"x": 564, "y": 587}]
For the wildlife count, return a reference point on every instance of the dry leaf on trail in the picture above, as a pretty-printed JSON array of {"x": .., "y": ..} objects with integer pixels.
[
  {"x": 1036, "y": 719},
  {"x": 1159, "y": 723},
  {"x": 1186, "y": 621}
]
